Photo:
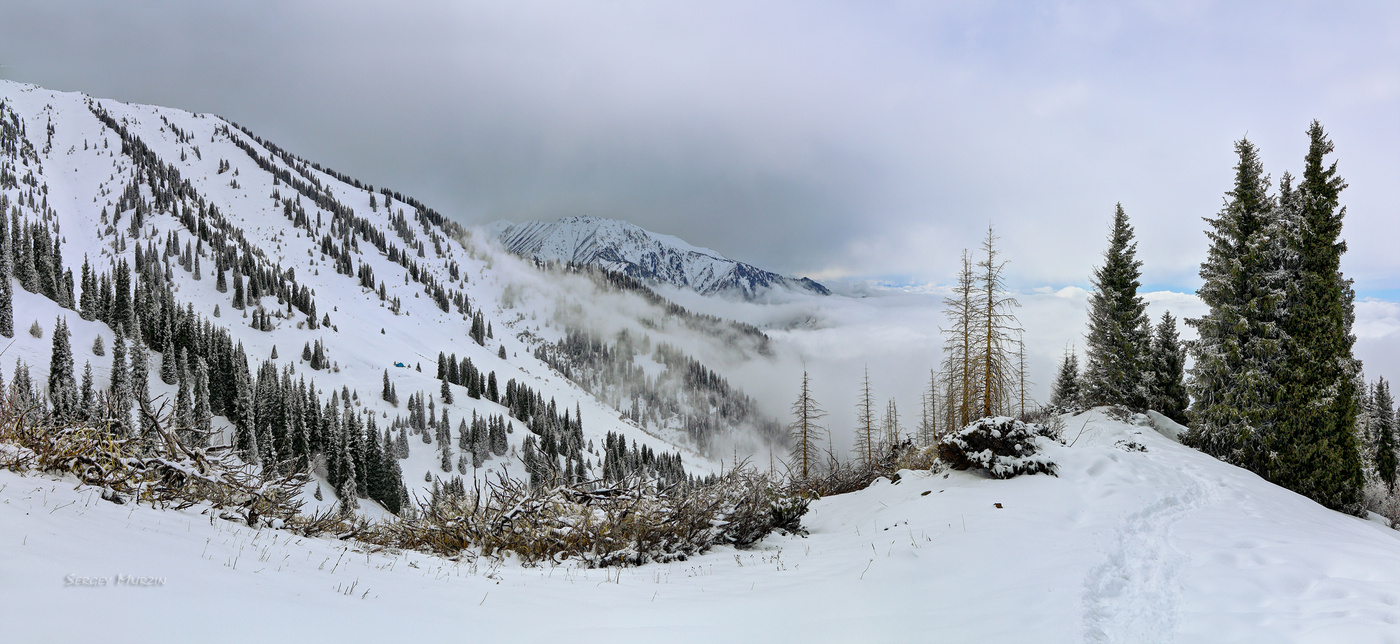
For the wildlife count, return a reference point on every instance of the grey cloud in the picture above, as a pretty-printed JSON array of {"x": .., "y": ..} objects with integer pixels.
[{"x": 835, "y": 139}]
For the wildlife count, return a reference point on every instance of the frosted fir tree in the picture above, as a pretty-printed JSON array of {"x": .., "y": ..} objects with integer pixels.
[
  {"x": 1240, "y": 347},
  {"x": 88, "y": 395},
  {"x": 245, "y": 434},
  {"x": 1382, "y": 434},
  {"x": 119, "y": 389},
  {"x": 184, "y": 400},
  {"x": 1117, "y": 343},
  {"x": 1314, "y": 448},
  {"x": 1065, "y": 392},
  {"x": 445, "y": 392},
  {"x": 7, "y": 293},
  {"x": 1167, "y": 372},
  {"x": 203, "y": 414},
  {"x": 63, "y": 387}
]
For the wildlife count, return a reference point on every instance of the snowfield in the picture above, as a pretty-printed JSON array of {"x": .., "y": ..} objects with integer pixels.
[{"x": 1137, "y": 540}]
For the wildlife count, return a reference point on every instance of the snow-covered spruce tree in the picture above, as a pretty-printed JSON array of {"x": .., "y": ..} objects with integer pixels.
[
  {"x": 1004, "y": 447},
  {"x": 7, "y": 294},
  {"x": 1117, "y": 342},
  {"x": 805, "y": 432},
  {"x": 88, "y": 395},
  {"x": 1065, "y": 392},
  {"x": 1383, "y": 424},
  {"x": 959, "y": 346},
  {"x": 241, "y": 415},
  {"x": 1239, "y": 351},
  {"x": 119, "y": 389},
  {"x": 203, "y": 416},
  {"x": 1314, "y": 445},
  {"x": 63, "y": 387},
  {"x": 1167, "y": 372}
]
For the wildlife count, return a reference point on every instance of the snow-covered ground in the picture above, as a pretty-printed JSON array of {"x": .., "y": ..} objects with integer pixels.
[{"x": 1159, "y": 545}]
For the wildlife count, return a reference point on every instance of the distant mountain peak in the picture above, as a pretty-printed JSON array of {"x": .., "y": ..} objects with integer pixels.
[{"x": 639, "y": 253}]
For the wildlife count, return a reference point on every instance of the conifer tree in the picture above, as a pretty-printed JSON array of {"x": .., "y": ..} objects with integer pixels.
[
  {"x": 245, "y": 433},
  {"x": 1383, "y": 434},
  {"x": 1118, "y": 342},
  {"x": 88, "y": 402},
  {"x": 63, "y": 387},
  {"x": 1239, "y": 350},
  {"x": 7, "y": 294},
  {"x": 805, "y": 431},
  {"x": 169, "y": 369},
  {"x": 1065, "y": 392},
  {"x": 184, "y": 400},
  {"x": 203, "y": 416},
  {"x": 119, "y": 389},
  {"x": 1314, "y": 445},
  {"x": 1167, "y": 375}
]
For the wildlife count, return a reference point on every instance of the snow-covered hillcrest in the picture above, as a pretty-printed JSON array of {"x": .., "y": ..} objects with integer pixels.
[{"x": 369, "y": 280}]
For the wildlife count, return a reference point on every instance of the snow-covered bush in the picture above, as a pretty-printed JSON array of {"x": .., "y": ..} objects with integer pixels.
[{"x": 1003, "y": 446}]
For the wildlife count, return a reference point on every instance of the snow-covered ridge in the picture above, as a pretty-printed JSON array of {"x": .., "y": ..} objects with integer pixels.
[
  {"x": 73, "y": 174},
  {"x": 627, "y": 248}
]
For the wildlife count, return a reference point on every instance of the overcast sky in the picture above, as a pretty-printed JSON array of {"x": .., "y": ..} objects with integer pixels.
[{"x": 833, "y": 140}]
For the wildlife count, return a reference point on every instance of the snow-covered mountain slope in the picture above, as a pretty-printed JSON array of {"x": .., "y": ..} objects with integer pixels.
[
  {"x": 397, "y": 283},
  {"x": 1137, "y": 540},
  {"x": 627, "y": 248}
]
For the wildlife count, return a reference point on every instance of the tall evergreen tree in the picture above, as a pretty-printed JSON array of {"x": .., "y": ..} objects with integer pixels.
[
  {"x": 7, "y": 293},
  {"x": 63, "y": 387},
  {"x": 119, "y": 388},
  {"x": 1383, "y": 434},
  {"x": 245, "y": 435},
  {"x": 88, "y": 403},
  {"x": 1239, "y": 350},
  {"x": 1314, "y": 444},
  {"x": 1065, "y": 392},
  {"x": 203, "y": 415},
  {"x": 1118, "y": 340},
  {"x": 1167, "y": 373}
]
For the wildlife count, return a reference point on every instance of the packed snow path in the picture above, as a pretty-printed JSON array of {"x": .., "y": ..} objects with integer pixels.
[
  {"x": 1124, "y": 546},
  {"x": 1134, "y": 595}
]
